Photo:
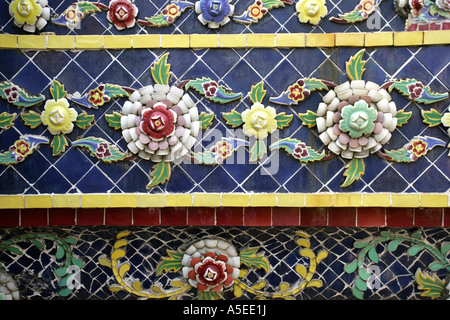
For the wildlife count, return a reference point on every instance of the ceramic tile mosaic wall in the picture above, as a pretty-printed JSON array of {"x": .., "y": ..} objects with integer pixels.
[{"x": 213, "y": 149}]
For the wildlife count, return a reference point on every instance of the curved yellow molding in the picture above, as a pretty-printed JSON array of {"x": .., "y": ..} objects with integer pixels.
[
  {"x": 250, "y": 40},
  {"x": 143, "y": 200}
]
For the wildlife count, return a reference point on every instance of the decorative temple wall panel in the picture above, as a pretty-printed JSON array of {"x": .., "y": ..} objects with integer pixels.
[{"x": 267, "y": 149}]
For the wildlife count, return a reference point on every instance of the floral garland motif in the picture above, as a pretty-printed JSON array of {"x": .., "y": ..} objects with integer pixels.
[
  {"x": 211, "y": 266},
  {"x": 357, "y": 118},
  {"x": 76, "y": 12},
  {"x": 361, "y": 12},
  {"x": 70, "y": 264},
  {"x": 258, "y": 122},
  {"x": 21, "y": 149},
  {"x": 58, "y": 117},
  {"x": 432, "y": 286},
  {"x": 18, "y": 96},
  {"x": 168, "y": 15},
  {"x": 259, "y": 9},
  {"x": 100, "y": 95}
]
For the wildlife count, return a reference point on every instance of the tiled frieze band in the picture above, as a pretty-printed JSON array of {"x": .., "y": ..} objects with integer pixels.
[
  {"x": 393, "y": 200},
  {"x": 251, "y": 40},
  {"x": 229, "y": 216}
]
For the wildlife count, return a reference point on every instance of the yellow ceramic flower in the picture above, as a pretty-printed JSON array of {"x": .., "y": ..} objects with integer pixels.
[
  {"x": 446, "y": 119},
  {"x": 259, "y": 121},
  {"x": 25, "y": 11},
  {"x": 311, "y": 11},
  {"x": 58, "y": 117}
]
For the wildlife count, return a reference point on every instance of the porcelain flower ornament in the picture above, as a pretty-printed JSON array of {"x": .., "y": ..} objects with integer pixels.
[
  {"x": 122, "y": 14},
  {"x": 311, "y": 11},
  {"x": 214, "y": 13},
  {"x": 30, "y": 14},
  {"x": 58, "y": 117},
  {"x": 259, "y": 121}
]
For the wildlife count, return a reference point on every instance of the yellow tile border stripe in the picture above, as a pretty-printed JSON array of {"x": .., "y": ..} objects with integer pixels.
[
  {"x": 246, "y": 40},
  {"x": 141, "y": 200}
]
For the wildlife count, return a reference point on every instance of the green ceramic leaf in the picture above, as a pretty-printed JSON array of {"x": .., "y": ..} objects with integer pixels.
[
  {"x": 373, "y": 255},
  {"x": 31, "y": 119},
  {"x": 161, "y": 71},
  {"x": 59, "y": 252},
  {"x": 233, "y": 118},
  {"x": 171, "y": 263},
  {"x": 6, "y": 120},
  {"x": 87, "y": 7},
  {"x": 206, "y": 119},
  {"x": 393, "y": 245},
  {"x": 283, "y": 120},
  {"x": 84, "y": 120},
  {"x": 355, "y": 66},
  {"x": 38, "y": 244},
  {"x": 61, "y": 272},
  {"x": 64, "y": 292},
  {"x": 415, "y": 249},
  {"x": 114, "y": 120},
  {"x": 308, "y": 118},
  {"x": 258, "y": 150},
  {"x": 59, "y": 144},
  {"x": 251, "y": 259},
  {"x": 160, "y": 174},
  {"x": 361, "y": 284},
  {"x": 358, "y": 293},
  {"x": 269, "y": 4},
  {"x": 445, "y": 248},
  {"x": 351, "y": 267},
  {"x": 257, "y": 92},
  {"x": 364, "y": 274},
  {"x": 207, "y": 157},
  {"x": 314, "y": 84},
  {"x": 432, "y": 286},
  {"x": 15, "y": 250},
  {"x": 360, "y": 245},
  {"x": 57, "y": 90},
  {"x": 432, "y": 117},
  {"x": 355, "y": 169},
  {"x": 436, "y": 266},
  {"x": 403, "y": 117},
  {"x": 77, "y": 262}
]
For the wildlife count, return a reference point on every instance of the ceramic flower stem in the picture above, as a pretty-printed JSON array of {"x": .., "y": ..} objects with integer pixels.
[
  {"x": 168, "y": 15},
  {"x": 76, "y": 12},
  {"x": 18, "y": 96},
  {"x": 361, "y": 12},
  {"x": 259, "y": 9}
]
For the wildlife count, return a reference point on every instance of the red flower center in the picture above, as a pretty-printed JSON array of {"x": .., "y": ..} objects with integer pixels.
[
  {"x": 157, "y": 122},
  {"x": 122, "y": 12}
]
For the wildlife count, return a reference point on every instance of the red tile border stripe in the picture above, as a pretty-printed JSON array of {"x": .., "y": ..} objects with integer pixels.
[{"x": 230, "y": 216}]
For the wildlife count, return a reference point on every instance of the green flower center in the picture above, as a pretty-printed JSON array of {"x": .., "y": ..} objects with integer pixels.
[{"x": 358, "y": 119}]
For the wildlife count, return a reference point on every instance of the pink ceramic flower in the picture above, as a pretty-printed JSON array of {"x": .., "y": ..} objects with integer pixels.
[
  {"x": 122, "y": 13},
  {"x": 157, "y": 122}
]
